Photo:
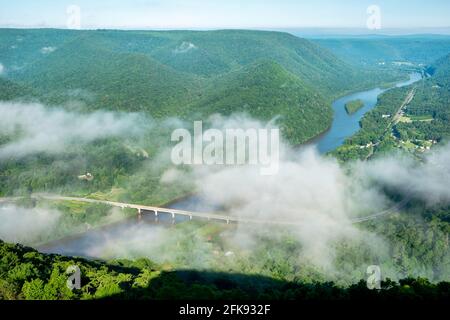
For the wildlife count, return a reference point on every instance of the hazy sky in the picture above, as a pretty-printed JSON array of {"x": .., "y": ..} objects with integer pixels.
[{"x": 226, "y": 13}]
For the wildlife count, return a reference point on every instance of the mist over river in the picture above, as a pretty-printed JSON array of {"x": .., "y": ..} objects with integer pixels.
[{"x": 93, "y": 243}]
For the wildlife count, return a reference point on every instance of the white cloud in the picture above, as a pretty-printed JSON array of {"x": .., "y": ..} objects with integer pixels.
[
  {"x": 320, "y": 194},
  {"x": 21, "y": 225},
  {"x": 46, "y": 50},
  {"x": 170, "y": 175},
  {"x": 185, "y": 47},
  {"x": 429, "y": 181},
  {"x": 309, "y": 190},
  {"x": 52, "y": 130}
]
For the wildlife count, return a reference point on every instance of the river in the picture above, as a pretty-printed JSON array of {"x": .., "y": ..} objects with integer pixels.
[
  {"x": 94, "y": 243},
  {"x": 345, "y": 125}
]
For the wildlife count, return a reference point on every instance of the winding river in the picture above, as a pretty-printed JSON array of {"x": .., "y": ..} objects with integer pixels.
[
  {"x": 95, "y": 243},
  {"x": 345, "y": 125}
]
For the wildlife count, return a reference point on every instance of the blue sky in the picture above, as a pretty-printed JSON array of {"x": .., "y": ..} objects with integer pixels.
[{"x": 226, "y": 13}]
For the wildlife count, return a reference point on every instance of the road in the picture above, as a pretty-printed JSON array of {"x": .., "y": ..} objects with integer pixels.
[{"x": 407, "y": 100}]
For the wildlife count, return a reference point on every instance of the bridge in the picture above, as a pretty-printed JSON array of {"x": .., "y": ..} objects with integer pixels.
[{"x": 202, "y": 215}]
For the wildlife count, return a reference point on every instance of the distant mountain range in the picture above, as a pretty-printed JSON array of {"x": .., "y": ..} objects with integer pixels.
[{"x": 371, "y": 50}]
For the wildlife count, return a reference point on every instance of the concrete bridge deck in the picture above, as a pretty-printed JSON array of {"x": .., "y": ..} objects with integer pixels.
[{"x": 203, "y": 215}]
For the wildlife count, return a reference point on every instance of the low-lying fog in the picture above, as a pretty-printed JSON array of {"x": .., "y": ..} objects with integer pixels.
[{"x": 309, "y": 188}]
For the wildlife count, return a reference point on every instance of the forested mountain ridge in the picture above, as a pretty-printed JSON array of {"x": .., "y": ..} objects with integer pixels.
[
  {"x": 111, "y": 80},
  {"x": 379, "y": 50},
  {"x": 266, "y": 90},
  {"x": 173, "y": 73}
]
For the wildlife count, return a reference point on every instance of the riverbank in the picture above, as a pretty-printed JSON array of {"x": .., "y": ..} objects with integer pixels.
[{"x": 345, "y": 125}]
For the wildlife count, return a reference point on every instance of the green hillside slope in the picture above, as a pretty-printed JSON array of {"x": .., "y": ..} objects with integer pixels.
[
  {"x": 186, "y": 73},
  {"x": 440, "y": 70},
  {"x": 209, "y": 53},
  {"x": 266, "y": 90},
  {"x": 28, "y": 274},
  {"x": 375, "y": 50},
  {"x": 9, "y": 90},
  {"x": 113, "y": 80}
]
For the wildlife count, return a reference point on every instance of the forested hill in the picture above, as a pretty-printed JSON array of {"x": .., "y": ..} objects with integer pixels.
[
  {"x": 375, "y": 50},
  {"x": 440, "y": 70},
  {"x": 173, "y": 73}
]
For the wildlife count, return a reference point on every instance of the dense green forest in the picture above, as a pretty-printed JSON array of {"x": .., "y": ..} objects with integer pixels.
[
  {"x": 186, "y": 74},
  {"x": 27, "y": 274}
]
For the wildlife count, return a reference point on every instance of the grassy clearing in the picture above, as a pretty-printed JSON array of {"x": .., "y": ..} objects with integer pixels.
[{"x": 425, "y": 117}]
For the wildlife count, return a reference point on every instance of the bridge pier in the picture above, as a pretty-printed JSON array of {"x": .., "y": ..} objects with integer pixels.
[
  {"x": 139, "y": 214},
  {"x": 190, "y": 217}
]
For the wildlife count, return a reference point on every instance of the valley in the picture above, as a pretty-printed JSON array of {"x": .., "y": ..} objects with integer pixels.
[{"x": 87, "y": 115}]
